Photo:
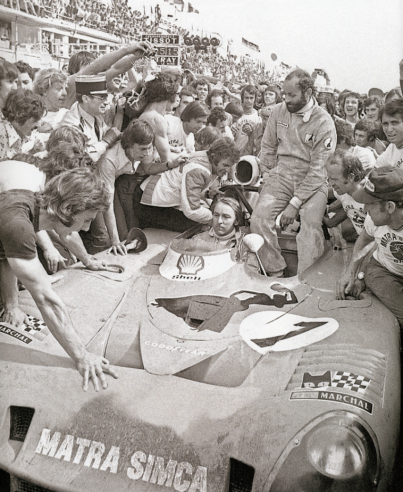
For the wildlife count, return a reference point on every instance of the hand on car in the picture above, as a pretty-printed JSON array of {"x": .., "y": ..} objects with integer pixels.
[
  {"x": 96, "y": 265},
  {"x": 14, "y": 317},
  {"x": 118, "y": 248},
  {"x": 53, "y": 258},
  {"x": 344, "y": 285},
  {"x": 94, "y": 367}
]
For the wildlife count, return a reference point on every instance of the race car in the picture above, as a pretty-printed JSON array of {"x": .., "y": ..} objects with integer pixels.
[{"x": 229, "y": 381}]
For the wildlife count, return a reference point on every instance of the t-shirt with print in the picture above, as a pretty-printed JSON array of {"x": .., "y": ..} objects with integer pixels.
[
  {"x": 18, "y": 222},
  {"x": 354, "y": 210},
  {"x": 391, "y": 157},
  {"x": 241, "y": 138},
  {"x": 389, "y": 252},
  {"x": 177, "y": 136}
]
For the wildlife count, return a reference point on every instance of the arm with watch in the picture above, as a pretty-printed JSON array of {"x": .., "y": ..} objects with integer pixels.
[{"x": 352, "y": 282}]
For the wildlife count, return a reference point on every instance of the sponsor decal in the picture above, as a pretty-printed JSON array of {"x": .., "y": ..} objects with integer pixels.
[
  {"x": 333, "y": 397},
  {"x": 36, "y": 328},
  {"x": 329, "y": 143},
  {"x": 285, "y": 125},
  {"x": 337, "y": 379},
  {"x": 208, "y": 312},
  {"x": 348, "y": 380},
  {"x": 312, "y": 381},
  {"x": 180, "y": 476},
  {"x": 170, "y": 348},
  {"x": 14, "y": 334},
  {"x": 190, "y": 265},
  {"x": 32, "y": 326}
]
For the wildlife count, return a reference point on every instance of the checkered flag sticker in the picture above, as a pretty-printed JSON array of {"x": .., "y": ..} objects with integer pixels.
[
  {"x": 351, "y": 381},
  {"x": 36, "y": 328}
]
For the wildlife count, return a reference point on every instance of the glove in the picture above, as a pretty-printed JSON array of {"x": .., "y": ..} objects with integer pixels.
[{"x": 111, "y": 136}]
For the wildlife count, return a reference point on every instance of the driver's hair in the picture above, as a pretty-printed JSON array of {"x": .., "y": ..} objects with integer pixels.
[
  {"x": 72, "y": 192},
  {"x": 231, "y": 202}
]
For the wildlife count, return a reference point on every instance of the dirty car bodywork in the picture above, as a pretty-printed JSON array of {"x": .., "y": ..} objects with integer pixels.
[{"x": 228, "y": 381}]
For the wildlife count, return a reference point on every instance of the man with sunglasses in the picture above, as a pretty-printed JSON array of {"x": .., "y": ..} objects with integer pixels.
[{"x": 87, "y": 114}]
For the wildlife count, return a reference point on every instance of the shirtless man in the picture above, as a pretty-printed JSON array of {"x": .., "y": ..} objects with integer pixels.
[
  {"x": 68, "y": 203},
  {"x": 161, "y": 94}
]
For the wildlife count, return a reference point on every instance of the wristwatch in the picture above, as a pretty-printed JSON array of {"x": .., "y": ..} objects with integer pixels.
[{"x": 360, "y": 276}]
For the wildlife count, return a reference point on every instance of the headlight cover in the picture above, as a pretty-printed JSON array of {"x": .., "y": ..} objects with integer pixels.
[{"x": 336, "y": 452}]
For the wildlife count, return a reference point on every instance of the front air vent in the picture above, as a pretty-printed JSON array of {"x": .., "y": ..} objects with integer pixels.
[
  {"x": 24, "y": 486},
  {"x": 241, "y": 476},
  {"x": 20, "y": 420}
]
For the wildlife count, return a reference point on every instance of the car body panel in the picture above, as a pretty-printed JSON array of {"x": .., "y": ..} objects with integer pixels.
[{"x": 174, "y": 418}]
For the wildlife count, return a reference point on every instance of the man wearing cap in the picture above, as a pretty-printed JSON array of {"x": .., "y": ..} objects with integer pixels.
[
  {"x": 299, "y": 138},
  {"x": 87, "y": 114},
  {"x": 381, "y": 272}
]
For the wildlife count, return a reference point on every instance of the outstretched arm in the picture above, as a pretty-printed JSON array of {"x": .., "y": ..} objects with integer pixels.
[
  {"x": 116, "y": 62},
  {"x": 56, "y": 317}
]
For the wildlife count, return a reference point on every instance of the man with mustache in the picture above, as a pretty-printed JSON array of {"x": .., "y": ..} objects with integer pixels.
[{"x": 299, "y": 138}]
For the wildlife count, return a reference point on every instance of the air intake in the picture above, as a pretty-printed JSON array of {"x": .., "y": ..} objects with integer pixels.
[
  {"x": 241, "y": 476},
  {"x": 20, "y": 420}
]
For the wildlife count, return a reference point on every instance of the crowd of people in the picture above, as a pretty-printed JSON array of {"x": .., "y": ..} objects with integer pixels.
[
  {"x": 88, "y": 155},
  {"x": 116, "y": 17}
]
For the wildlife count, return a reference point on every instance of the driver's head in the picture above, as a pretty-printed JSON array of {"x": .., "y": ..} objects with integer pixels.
[{"x": 227, "y": 215}]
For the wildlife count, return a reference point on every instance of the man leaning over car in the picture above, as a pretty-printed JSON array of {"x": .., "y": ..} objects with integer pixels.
[{"x": 69, "y": 202}]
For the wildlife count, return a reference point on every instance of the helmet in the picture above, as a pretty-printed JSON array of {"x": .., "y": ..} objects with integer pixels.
[{"x": 246, "y": 172}]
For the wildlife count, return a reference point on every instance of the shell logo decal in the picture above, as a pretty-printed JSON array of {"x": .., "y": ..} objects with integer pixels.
[{"x": 189, "y": 264}]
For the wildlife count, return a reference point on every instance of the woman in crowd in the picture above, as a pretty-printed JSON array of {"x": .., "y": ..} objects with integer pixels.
[{"x": 22, "y": 111}]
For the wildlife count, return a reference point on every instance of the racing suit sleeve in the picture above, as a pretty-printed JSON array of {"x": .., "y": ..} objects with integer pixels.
[
  {"x": 194, "y": 182},
  {"x": 323, "y": 147},
  {"x": 269, "y": 145}
]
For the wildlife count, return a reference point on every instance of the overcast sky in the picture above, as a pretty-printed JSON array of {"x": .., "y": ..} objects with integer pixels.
[{"x": 358, "y": 42}]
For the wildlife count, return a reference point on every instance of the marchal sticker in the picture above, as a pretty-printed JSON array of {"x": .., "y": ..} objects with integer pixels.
[{"x": 332, "y": 396}]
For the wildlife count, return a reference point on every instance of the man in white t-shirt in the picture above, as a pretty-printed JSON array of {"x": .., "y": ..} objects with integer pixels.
[
  {"x": 392, "y": 125},
  {"x": 181, "y": 130},
  {"x": 249, "y": 121},
  {"x": 345, "y": 174},
  {"x": 382, "y": 272}
]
